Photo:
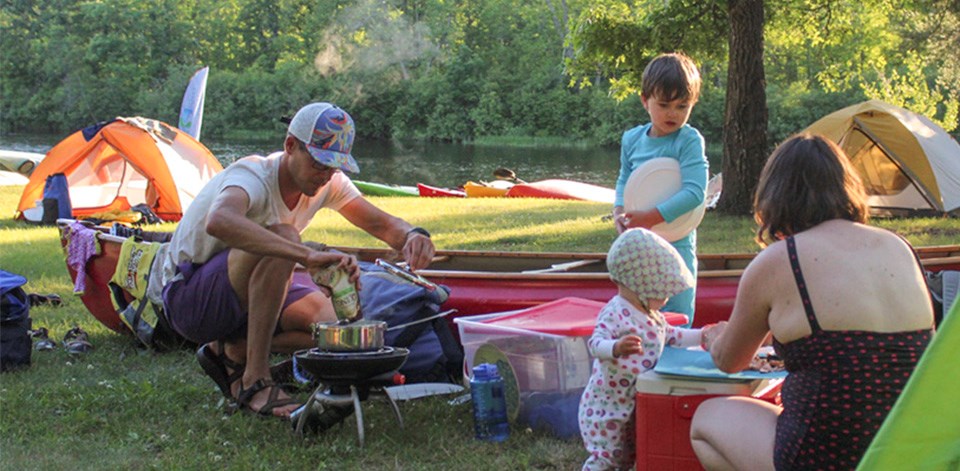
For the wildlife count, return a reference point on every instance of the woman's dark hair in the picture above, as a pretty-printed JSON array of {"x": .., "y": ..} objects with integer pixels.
[{"x": 807, "y": 180}]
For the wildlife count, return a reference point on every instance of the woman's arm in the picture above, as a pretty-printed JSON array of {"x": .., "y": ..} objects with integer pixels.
[{"x": 744, "y": 334}]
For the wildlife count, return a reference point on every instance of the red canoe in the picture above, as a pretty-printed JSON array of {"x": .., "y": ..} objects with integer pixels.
[
  {"x": 433, "y": 191},
  {"x": 482, "y": 282},
  {"x": 563, "y": 189}
]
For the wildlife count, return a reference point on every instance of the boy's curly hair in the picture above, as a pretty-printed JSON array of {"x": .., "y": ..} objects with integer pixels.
[{"x": 670, "y": 77}]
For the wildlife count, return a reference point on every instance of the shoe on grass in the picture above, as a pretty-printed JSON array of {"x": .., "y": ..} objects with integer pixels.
[
  {"x": 44, "y": 342},
  {"x": 76, "y": 342}
]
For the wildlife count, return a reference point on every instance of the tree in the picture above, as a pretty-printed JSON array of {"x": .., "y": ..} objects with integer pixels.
[
  {"x": 745, "y": 118},
  {"x": 908, "y": 58}
]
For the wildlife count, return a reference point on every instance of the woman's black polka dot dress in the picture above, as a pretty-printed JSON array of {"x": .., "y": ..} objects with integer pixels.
[{"x": 841, "y": 386}]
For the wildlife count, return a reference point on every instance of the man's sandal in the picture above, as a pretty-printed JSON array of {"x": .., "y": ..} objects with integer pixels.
[
  {"x": 244, "y": 396},
  {"x": 224, "y": 371}
]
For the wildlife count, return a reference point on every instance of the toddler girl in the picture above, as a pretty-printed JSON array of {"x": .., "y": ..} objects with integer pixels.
[{"x": 629, "y": 336}]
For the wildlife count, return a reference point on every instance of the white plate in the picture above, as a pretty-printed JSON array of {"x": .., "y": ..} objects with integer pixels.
[{"x": 653, "y": 182}]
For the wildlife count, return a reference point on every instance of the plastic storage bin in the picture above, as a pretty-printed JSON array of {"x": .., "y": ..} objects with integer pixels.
[
  {"x": 546, "y": 347},
  {"x": 664, "y": 410}
]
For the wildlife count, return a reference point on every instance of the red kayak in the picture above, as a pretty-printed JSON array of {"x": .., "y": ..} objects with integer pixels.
[
  {"x": 563, "y": 189},
  {"x": 483, "y": 282},
  {"x": 435, "y": 192}
]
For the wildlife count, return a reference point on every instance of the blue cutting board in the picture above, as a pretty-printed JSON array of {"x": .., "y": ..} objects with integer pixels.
[{"x": 697, "y": 363}]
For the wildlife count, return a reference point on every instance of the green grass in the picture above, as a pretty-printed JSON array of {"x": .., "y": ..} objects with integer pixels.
[{"x": 124, "y": 408}]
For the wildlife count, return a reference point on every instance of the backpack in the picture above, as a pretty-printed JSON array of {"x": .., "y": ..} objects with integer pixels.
[
  {"x": 15, "y": 323},
  {"x": 435, "y": 355},
  {"x": 56, "y": 199}
]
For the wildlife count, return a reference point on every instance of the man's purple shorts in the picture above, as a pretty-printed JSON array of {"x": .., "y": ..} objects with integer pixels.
[{"x": 203, "y": 307}]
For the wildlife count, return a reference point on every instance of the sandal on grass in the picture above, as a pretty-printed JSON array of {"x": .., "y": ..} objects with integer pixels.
[
  {"x": 216, "y": 365},
  {"x": 75, "y": 341},
  {"x": 44, "y": 342},
  {"x": 245, "y": 395},
  {"x": 44, "y": 300}
]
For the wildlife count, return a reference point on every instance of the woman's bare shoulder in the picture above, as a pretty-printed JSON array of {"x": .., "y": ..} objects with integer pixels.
[{"x": 770, "y": 258}]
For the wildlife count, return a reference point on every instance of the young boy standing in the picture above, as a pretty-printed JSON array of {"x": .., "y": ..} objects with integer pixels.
[{"x": 670, "y": 88}]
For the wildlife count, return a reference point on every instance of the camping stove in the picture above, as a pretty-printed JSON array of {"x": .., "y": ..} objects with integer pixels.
[{"x": 346, "y": 379}]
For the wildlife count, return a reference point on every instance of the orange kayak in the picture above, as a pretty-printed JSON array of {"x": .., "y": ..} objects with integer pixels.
[{"x": 487, "y": 190}]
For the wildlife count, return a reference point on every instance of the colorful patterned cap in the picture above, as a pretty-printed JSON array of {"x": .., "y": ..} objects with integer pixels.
[
  {"x": 328, "y": 133},
  {"x": 648, "y": 265}
]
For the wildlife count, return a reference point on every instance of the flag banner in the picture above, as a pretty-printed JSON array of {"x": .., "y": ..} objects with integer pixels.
[{"x": 191, "y": 110}]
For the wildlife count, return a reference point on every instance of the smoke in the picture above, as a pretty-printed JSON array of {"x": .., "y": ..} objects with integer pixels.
[
  {"x": 329, "y": 61},
  {"x": 373, "y": 36}
]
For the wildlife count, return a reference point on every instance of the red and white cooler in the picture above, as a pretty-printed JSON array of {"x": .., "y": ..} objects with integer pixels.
[{"x": 664, "y": 410}]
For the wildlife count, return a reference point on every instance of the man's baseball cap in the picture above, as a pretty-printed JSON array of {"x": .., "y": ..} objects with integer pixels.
[{"x": 328, "y": 133}]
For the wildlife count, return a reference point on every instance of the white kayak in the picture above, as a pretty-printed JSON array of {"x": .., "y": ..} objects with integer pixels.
[{"x": 19, "y": 162}]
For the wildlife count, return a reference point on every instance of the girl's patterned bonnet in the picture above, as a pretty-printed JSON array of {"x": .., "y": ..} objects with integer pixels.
[{"x": 648, "y": 265}]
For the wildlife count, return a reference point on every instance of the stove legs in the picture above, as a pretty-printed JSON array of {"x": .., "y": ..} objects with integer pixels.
[{"x": 324, "y": 409}]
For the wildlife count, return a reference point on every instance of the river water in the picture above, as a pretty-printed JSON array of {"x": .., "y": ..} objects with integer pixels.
[{"x": 409, "y": 163}]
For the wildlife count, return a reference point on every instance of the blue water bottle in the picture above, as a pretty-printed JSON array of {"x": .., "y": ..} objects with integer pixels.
[{"x": 489, "y": 404}]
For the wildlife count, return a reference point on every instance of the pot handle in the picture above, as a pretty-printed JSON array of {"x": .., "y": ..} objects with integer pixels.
[{"x": 425, "y": 319}]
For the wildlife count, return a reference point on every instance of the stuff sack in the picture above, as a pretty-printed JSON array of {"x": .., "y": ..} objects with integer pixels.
[
  {"x": 128, "y": 288},
  {"x": 56, "y": 199},
  {"x": 15, "y": 323},
  {"x": 435, "y": 355}
]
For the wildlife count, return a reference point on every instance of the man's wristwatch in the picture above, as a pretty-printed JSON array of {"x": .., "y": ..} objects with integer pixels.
[{"x": 418, "y": 230}]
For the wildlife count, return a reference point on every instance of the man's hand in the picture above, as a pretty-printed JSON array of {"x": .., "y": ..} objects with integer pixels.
[
  {"x": 627, "y": 345},
  {"x": 418, "y": 251}
]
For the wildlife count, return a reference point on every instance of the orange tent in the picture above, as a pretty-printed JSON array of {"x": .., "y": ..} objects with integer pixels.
[{"x": 123, "y": 163}]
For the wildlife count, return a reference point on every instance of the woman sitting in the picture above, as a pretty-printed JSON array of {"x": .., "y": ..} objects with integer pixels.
[{"x": 848, "y": 309}]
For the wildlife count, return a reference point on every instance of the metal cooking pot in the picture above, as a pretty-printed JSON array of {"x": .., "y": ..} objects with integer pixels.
[
  {"x": 360, "y": 335},
  {"x": 356, "y": 336}
]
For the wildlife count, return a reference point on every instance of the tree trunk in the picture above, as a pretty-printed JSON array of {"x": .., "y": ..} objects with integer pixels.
[{"x": 745, "y": 118}]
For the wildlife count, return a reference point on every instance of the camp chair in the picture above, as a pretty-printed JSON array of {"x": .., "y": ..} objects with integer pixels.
[{"x": 922, "y": 431}]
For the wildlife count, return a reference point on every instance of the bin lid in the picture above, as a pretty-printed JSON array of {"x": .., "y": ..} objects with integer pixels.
[{"x": 569, "y": 317}]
